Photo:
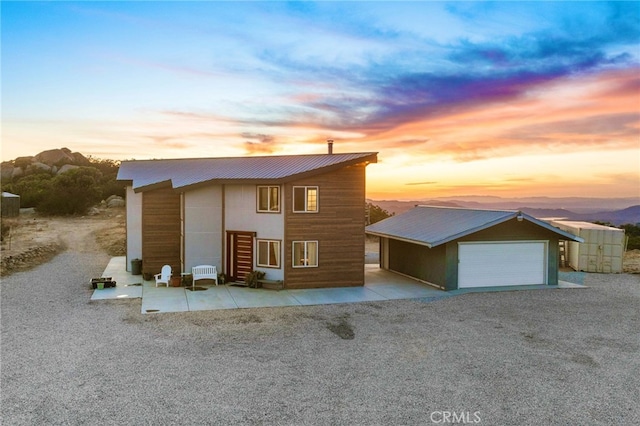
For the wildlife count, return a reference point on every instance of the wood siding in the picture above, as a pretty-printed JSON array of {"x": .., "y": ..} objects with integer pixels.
[
  {"x": 160, "y": 231},
  {"x": 338, "y": 227}
]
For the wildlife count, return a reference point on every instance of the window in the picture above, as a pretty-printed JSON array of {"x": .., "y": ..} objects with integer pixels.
[
  {"x": 269, "y": 199},
  {"x": 269, "y": 253},
  {"x": 305, "y": 254},
  {"x": 305, "y": 199}
]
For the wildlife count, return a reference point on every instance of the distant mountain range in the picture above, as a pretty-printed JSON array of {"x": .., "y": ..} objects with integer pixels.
[{"x": 617, "y": 211}]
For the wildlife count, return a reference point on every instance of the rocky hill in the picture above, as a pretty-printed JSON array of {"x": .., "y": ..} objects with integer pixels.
[
  {"x": 60, "y": 181},
  {"x": 55, "y": 161}
]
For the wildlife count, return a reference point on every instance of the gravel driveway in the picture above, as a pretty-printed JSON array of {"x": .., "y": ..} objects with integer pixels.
[{"x": 527, "y": 357}]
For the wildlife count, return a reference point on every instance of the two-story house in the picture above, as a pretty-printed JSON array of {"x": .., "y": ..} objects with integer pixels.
[{"x": 298, "y": 218}]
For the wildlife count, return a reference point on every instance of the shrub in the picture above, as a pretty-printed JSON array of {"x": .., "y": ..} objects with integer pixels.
[
  {"x": 72, "y": 192},
  {"x": 633, "y": 232},
  {"x": 32, "y": 188}
]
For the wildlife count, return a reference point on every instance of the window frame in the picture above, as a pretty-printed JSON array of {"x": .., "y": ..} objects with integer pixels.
[
  {"x": 278, "y": 250},
  {"x": 306, "y": 199},
  {"x": 269, "y": 199},
  {"x": 305, "y": 253}
]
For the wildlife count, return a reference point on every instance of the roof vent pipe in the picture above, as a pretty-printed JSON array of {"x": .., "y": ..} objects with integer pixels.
[{"x": 330, "y": 145}]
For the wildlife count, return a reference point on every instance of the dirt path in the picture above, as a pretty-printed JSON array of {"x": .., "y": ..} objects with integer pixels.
[{"x": 35, "y": 239}]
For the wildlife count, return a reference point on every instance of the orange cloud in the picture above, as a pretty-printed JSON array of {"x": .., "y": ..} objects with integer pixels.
[{"x": 591, "y": 112}]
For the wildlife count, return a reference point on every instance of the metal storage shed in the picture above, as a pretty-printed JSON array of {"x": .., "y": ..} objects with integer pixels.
[
  {"x": 601, "y": 251},
  {"x": 453, "y": 248},
  {"x": 10, "y": 205}
]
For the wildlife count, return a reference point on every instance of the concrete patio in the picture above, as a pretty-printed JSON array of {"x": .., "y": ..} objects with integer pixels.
[{"x": 379, "y": 285}]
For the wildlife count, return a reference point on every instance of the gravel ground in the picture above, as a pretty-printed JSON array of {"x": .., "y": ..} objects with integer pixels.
[{"x": 528, "y": 357}]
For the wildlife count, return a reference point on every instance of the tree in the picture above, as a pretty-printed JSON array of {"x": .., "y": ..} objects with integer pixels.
[
  {"x": 633, "y": 233},
  {"x": 377, "y": 213},
  {"x": 109, "y": 170},
  {"x": 72, "y": 192},
  {"x": 32, "y": 188}
]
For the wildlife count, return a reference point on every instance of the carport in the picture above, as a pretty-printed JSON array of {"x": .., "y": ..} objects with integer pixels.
[{"x": 456, "y": 248}]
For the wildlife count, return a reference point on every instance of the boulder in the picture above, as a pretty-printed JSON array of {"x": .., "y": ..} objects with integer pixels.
[
  {"x": 41, "y": 166},
  {"x": 23, "y": 161},
  {"x": 66, "y": 168},
  {"x": 80, "y": 159},
  {"x": 6, "y": 170},
  {"x": 16, "y": 172},
  {"x": 55, "y": 156},
  {"x": 115, "y": 202}
]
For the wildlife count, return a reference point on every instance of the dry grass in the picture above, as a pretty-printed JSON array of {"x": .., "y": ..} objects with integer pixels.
[{"x": 35, "y": 239}]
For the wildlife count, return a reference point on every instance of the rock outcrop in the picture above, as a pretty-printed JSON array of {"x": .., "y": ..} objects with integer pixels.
[
  {"x": 61, "y": 156},
  {"x": 54, "y": 161},
  {"x": 114, "y": 201}
]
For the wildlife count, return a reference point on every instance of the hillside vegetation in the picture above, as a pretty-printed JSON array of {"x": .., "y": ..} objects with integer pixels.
[{"x": 60, "y": 182}]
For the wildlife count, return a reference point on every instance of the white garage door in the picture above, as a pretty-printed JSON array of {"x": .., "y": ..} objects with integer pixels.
[{"x": 502, "y": 264}]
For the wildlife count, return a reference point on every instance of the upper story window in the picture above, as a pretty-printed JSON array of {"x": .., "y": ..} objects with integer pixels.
[
  {"x": 269, "y": 199},
  {"x": 305, "y": 199}
]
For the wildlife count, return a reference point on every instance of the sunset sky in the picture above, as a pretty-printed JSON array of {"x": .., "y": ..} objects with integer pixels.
[{"x": 501, "y": 98}]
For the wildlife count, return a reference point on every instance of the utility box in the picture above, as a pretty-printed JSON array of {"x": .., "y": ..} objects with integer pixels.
[{"x": 602, "y": 250}]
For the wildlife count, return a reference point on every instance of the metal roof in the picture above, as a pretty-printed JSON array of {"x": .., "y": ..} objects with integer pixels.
[
  {"x": 585, "y": 225},
  {"x": 432, "y": 226},
  {"x": 183, "y": 173}
]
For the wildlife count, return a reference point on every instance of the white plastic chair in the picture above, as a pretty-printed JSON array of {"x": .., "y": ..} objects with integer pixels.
[{"x": 164, "y": 276}]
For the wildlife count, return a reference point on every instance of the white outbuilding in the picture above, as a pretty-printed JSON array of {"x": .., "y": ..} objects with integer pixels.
[{"x": 602, "y": 250}]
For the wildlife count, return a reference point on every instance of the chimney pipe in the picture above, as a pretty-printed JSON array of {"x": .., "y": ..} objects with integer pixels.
[{"x": 330, "y": 145}]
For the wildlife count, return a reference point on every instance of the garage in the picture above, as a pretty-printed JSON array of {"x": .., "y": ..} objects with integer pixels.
[
  {"x": 456, "y": 248},
  {"x": 502, "y": 264}
]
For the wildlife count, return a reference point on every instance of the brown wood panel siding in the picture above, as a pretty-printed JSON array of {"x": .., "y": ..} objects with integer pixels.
[
  {"x": 160, "y": 230},
  {"x": 338, "y": 227}
]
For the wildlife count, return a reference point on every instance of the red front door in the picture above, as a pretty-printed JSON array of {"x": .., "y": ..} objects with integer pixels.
[{"x": 239, "y": 254}]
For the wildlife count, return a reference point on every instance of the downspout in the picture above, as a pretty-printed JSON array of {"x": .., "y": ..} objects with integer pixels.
[
  {"x": 182, "y": 231},
  {"x": 127, "y": 261},
  {"x": 285, "y": 237},
  {"x": 223, "y": 233}
]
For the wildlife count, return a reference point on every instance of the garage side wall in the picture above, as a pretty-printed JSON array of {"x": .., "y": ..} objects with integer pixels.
[{"x": 424, "y": 263}]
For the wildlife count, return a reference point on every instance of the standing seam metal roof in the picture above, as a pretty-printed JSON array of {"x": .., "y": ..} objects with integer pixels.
[
  {"x": 433, "y": 226},
  {"x": 182, "y": 173}
]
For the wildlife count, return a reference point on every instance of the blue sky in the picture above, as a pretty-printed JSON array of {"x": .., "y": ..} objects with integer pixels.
[{"x": 500, "y": 98}]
